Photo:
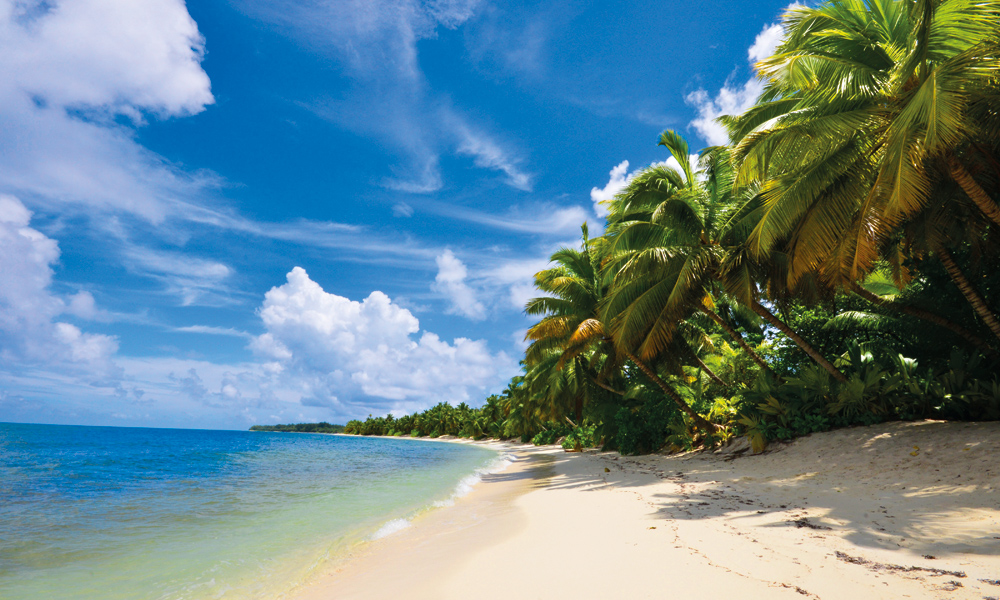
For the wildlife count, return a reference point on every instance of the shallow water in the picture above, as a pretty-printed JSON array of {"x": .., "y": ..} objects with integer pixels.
[{"x": 128, "y": 513}]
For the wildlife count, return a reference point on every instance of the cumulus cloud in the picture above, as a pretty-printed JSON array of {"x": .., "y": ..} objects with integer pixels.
[
  {"x": 118, "y": 56},
  {"x": 31, "y": 332},
  {"x": 343, "y": 351},
  {"x": 450, "y": 282},
  {"x": 733, "y": 99},
  {"x": 615, "y": 184},
  {"x": 69, "y": 67}
]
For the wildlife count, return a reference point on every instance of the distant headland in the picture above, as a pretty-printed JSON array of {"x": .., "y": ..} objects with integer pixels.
[{"x": 322, "y": 427}]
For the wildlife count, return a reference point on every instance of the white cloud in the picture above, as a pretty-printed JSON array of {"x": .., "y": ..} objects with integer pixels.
[
  {"x": 193, "y": 280},
  {"x": 619, "y": 178},
  {"x": 487, "y": 154},
  {"x": 766, "y": 42},
  {"x": 450, "y": 282},
  {"x": 83, "y": 306},
  {"x": 30, "y": 332},
  {"x": 615, "y": 184},
  {"x": 97, "y": 58},
  {"x": 402, "y": 209},
  {"x": 675, "y": 164},
  {"x": 518, "y": 277},
  {"x": 733, "y": 99},
  {"x": 343, "y": 351},
  {"x": 117, "y": 56},
  {"x": 729, "y": 101}
]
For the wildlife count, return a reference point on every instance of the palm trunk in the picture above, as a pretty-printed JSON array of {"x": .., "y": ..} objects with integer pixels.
[
  {"x": 928, "y": 316},
  {"x": 699, "y": 420},
  {"x": 975, "y": 192},
  {"x": 742, "y": 343},
  {"x": 969, "y": 291},
  {"x": 801, "y": 343},
  {"x": 710, "y": 372},
  {"x": 606, "y": 387}
]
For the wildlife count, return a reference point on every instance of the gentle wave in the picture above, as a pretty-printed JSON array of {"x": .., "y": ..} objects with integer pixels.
[
  {"x": 463, "y": 488},
  {"x": 393, "y": 526}
]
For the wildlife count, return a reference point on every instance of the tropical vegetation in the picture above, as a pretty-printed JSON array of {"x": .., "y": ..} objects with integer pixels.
[
  {"x": 321, "y": 427},
  {"x": 834, "y": 264}
]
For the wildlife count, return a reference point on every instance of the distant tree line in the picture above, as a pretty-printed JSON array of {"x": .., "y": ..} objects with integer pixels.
[
  {"x": 322, "y": 427},
  {"x": 495, "y": 419}
]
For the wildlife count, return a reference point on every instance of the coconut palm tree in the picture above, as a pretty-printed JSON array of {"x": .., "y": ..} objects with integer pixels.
[
  {"x": 868, "y": 107},
  {"x": 670, "y": 242},
  {"x": 569, "y": 338}
]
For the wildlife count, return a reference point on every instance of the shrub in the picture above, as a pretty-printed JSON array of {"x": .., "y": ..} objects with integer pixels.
[{"x": 581, "y": 437}]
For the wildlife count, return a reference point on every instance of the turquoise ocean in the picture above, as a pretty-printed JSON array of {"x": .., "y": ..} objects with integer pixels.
[{"x": 110, "y": 513}]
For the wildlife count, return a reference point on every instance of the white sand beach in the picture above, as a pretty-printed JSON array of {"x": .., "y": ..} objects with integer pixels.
[{"x": 900, "y": 510}]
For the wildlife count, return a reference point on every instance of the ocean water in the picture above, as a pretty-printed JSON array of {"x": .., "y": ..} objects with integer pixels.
[{"x": 126, "y": 513}]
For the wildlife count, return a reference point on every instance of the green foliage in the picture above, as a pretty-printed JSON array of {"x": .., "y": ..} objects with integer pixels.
[
  {"x": 551, "y": 434},
  {"x": 877, "y": 389},
  {"x": 581, "y": 437},
  {"x": 644, "y": 428}
]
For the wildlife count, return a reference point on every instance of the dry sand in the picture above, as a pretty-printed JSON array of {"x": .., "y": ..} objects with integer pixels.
[{"x": 903, "y": 510}]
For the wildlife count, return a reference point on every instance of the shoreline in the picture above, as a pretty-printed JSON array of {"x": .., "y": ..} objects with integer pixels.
[
  {"x": 852, "y": 513},
  {"x": 398, "y": 564}
]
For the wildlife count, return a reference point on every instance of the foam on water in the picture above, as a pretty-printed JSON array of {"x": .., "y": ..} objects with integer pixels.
[
  {"x": 464, "y": 486},
  {"x": 393, "y": 526},
  {"x": 468, "y": 482}
]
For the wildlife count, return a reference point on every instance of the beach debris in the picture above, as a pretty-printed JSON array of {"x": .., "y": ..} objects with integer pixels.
[
  {"x": 799, "y": 590},
  {"x": 995, "y": 582},
  {"x": 607, "y": 470},
  {"x": 950, "y": 586},
  {"x": 876, "y": 566},
  {"x": 803, "y": 522}
]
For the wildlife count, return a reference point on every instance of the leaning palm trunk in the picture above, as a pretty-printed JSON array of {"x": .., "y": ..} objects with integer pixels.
[
  {"x": 708, "y": 371},
  {"x": 969, "y": 291},
  {"x": 742, "y": 343},
  {"x": 699, "y": 420},
  {"x": 801, "y": 343},
  {"x": 975, "y": 192},
  {"x": 930, "y": 317},
  {"x": 607, "y": 387}
]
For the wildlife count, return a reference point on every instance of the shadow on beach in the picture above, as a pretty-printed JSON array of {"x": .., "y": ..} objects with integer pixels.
[{"x": 927, "y": 487}]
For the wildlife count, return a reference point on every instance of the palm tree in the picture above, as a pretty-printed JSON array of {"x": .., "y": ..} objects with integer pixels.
[
  {"x": 671, "y": 243},
  {"x": 570, "y": 336},
  {"x": 868, "y": 108}
]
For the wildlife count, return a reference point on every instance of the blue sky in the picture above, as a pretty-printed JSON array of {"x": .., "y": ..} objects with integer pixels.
[{"x": 226, "y": 213}]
